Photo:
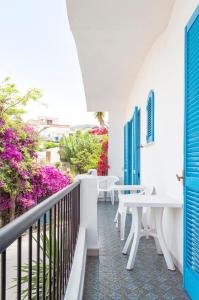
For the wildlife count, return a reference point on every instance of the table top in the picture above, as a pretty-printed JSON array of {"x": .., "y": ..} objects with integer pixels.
[
  {"x": 121, "y": 187},
  {"x": 150, "y": 201}
]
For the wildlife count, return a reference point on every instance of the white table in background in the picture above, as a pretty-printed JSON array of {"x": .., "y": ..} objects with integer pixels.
[{"x": 157, "y": 203}]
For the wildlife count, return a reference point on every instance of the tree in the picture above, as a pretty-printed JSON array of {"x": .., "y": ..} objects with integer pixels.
[
  {"x": 22, "y": 181},
  {"x": 81, "y": 150},
  {"x": 12, "y": 102},
  {"x": 100, "y": 118}
]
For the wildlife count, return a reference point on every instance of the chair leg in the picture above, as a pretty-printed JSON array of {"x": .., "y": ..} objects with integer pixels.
[
  {"x": 105, "y": 196},
  {"x": 123, "y": 222},
  {"x": 118, "y": 222},
  {"x": 112, "y": 197},
  {"x": 116, "y": 216}
]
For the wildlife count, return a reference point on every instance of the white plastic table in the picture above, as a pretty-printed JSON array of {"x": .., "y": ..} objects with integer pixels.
[
  {"x": 157, "y": 203},
  {"x": 123, "y": 188}
]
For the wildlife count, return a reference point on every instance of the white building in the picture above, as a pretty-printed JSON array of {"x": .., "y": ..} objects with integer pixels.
[
  {"x": 139, "y": 62},
  {"x": 49, "y": 128},
  {"x": 126, "y": 49}
]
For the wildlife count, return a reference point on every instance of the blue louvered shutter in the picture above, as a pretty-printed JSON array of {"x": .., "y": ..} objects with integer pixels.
[
  {"x": 191, "y": 155},
  {"x": 130, "y": 150},
  {"x": 150, "y": 118},
  {"x": 136, "y": 146},
  {"x": 126, "y": 154}
]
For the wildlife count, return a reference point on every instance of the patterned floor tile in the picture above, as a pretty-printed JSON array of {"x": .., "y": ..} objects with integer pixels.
[{"x": 107, "y": 277}]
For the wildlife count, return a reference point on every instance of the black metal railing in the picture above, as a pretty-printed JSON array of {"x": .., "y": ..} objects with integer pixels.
[{"x": 53, "y": 227}]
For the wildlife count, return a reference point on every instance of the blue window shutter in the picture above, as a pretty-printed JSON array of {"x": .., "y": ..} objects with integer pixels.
[
  {"x": 130, "y": 171},
  {"x": 150, "y": 117},
  {"x": 126, "y": 153},
  {"x": 191, "y": 159},
  {"x": 136, "y": 146}
]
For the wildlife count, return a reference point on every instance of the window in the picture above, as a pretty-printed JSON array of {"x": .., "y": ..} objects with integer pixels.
[
  {"x": 150, "y": 117},
  {"x": 49, "y": 122}
]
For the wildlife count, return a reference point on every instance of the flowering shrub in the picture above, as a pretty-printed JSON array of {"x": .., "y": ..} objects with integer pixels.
[
  {"x": 103, "y": 166},
  {"x": 45, "y": 182},
  {"x": 18, "y": 146},
  {"x": 23, "y": 183},
  {"x": 99, "y": 131}
]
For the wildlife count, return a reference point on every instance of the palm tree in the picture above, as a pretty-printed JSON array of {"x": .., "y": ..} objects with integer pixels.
[{"x": 99, "y": 116}]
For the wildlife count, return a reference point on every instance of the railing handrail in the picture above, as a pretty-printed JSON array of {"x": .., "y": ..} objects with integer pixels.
[{"x": 12, "y": 231}]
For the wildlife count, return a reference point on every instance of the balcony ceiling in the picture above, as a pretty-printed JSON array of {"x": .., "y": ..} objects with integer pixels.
[{"x": 112, "y": 38}]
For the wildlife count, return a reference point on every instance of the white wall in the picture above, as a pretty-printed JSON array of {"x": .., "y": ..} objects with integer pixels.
[
  {"x": 163, "y": 71},
  {"x": 116, "y": 143},
  {"x": 88, "y": 211}
]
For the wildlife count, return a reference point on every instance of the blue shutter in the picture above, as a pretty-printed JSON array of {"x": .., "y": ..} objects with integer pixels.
[
  {"x": 191, "y": 159},
  {"x": 136, "y": 146},
  {"x": 150, "y": 117},
  {"x": 126, "y": 153},
  {"x": 130, "y": 140}
]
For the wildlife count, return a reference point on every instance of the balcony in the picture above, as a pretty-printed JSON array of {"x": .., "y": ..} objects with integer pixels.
[
  {"x": 45, "y": 251},
  {"x": 107, "y": 277}
]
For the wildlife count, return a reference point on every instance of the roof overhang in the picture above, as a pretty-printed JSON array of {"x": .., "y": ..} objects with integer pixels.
[{"x": 112, "y": 39}]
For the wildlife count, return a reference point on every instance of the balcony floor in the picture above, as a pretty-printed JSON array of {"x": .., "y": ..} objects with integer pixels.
[{"x": 107, "y": 278}]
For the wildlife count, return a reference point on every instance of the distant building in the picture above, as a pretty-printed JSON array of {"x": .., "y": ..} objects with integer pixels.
[{"x": 49, "y": 128}]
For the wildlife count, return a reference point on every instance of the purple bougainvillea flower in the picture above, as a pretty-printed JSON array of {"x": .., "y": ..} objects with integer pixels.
[
  {"x": 1, "y": 183},
  {"x": 20, "y": 171},
  {"x": 5, "y": 202}
]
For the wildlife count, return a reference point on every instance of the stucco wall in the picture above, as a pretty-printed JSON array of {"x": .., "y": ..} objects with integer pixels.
[
  {"x": 116, "y": 143},
  {"x": 163, "y": 71}
]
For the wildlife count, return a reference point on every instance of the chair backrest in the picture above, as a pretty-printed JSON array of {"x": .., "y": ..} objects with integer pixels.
[
  {"x": 149, "y": 190},
  {"x": 108, "y": 182},
  {"x": 92, "y": 172}
]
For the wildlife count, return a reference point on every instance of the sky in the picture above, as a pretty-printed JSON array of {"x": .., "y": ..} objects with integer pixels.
[{"x": 38, "y": 51}]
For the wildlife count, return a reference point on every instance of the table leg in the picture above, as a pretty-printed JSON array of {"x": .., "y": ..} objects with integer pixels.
[
  {"x": 160, "y": 236},
  {"x": 157, "y": 245},
  {"x": 130, "y": 237},
  {"x": 134, "y": 247}
]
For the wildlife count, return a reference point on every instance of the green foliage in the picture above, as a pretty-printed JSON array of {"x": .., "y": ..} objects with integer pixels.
[
  {"x": 12, "y": 102},
  {"x": 81, "y": 150},
  {"x": 44, "y": 145},
  {"x": 18, "y": 144},
  {"x": 25, "y": 270},
  {"x": 49, "y": 145},
  {"x": 100, "y": 118}
]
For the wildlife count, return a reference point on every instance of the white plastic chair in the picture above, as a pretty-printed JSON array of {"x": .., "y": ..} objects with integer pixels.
[
  {"x": 105, "y": 185},
  {"x": 122, "y": 212},
  {"x": 92, "y": 172}
]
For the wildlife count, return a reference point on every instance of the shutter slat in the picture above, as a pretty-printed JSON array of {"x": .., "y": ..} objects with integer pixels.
[{"x": 150, "y": 117}]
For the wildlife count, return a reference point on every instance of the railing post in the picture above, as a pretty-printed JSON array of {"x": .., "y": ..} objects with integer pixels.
[{"x": 88, "y": 213}]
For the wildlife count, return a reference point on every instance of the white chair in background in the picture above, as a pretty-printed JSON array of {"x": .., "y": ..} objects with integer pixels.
[
  {"x": 105, "y": 186},
  {"x": 122, "y": 212},
  {"x": 92, "y": 172}
]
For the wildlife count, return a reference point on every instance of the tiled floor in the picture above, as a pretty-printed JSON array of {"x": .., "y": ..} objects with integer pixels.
[{"x": 107, "y": 278}]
